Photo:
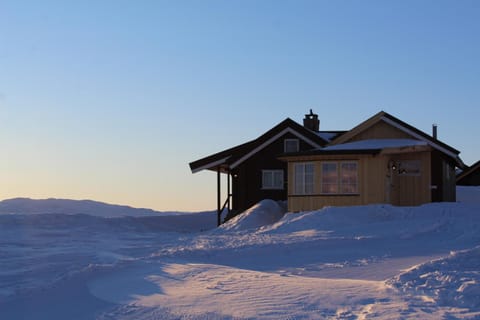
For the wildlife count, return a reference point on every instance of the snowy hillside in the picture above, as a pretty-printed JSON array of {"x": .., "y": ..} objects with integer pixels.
[
  {"x": 368, "y": 262},
  {"x": 66, "y": 206}
]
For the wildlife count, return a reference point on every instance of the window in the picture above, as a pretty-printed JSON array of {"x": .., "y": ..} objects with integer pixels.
[
  {"x": 291, "y": 145},
  {"x": 409, "y": 167},
  {"x": 348, "y": 177},
  {"x": 329, "y": 177},
  {"x": 272, "y": 179},
  {"x": 304, "y": 178},
  {"x": 339, "y": 177}
]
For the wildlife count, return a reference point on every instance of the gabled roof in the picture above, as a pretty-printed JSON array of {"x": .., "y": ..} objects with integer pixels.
[
  {"x": 369, "y": 146},
  {"x": 405, "y": 127},
  {"x": 474, "y": 167},
  {"x": 233, "y": 157}
]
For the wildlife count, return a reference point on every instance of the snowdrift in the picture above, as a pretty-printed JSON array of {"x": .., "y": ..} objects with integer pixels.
[
  {"x": 380, "y": 221},
  {"x": 264, "y": 213},
  {"x": 453, "y": 281},
  {"x": 468, "y": 194},
  {"x": 334, "y": 263}
]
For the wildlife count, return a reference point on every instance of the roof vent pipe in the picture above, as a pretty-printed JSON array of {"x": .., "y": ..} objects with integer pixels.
[
  {"x": 434, "y": 131},
  {"x": 311, "y": 121}
]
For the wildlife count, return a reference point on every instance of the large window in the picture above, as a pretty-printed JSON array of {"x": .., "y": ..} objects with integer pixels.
[
  {"x": 272, "y": 179},
  {"x": 291, "y": 145},
  {"x": 339, "y": 177},
  {"x": 329, "y": 177},
  {"x": 348, "y": 177},
  {"x": 304, "y": 178}
]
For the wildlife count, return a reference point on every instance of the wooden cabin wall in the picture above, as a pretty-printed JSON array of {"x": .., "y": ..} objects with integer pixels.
[
  {"x": 247, "y": 178},
  {"x": 412, "y": 190},
  {"x": 443, "y": 177},
  {"x": 373, "y": 181},
  {"x": 449, "y": 182},
  {"x": 371, "y": 189}
]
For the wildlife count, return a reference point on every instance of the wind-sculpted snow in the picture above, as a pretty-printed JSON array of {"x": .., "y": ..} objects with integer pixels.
[
  {"x": 334, "y": 263},
  {"x": 453, "y": 281},
  {"x": 379, "y": 221},
  {"x": 37, "y": 250}
]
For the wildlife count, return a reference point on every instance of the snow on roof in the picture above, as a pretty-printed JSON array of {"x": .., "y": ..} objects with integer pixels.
[
  {"x": 328, "y": 136},
  {"x": 376, "y": 144}
]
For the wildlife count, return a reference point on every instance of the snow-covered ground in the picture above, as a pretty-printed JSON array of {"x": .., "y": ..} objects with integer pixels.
[{"x": 368, "y": 262}]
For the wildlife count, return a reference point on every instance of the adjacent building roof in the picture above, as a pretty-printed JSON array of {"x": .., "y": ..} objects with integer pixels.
[
  {"x": 231, "y": 158},
  {"x": 464, "y": 175}
]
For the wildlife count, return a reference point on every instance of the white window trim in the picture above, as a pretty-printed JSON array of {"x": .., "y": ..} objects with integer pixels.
[
  {"x": 286, "y": 141},
  {"x": 272, "y": 172}
]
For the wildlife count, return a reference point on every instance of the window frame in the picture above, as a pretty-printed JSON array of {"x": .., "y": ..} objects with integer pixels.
[
  {"x": 306, "y": 187},
  {"x": 341, "y": 184},
  {"x": 273, "y": 186},
  {"x": 339, "y": 189},
  {"x": 409, "y": 168},
  {"x": 285, "y": 143},
  {"x": 323, "y": 184}
]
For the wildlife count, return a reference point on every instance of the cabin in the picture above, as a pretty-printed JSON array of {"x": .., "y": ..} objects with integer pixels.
[
  {"x": 470, "y": 176},
  {"x": 382, "y": 160},
  {"x": 253, "y": 169}
]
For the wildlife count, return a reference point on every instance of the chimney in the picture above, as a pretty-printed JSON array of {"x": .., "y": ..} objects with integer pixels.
[
  {"x": 311, "y": 121},
  {"x": 434, "y": 131}
]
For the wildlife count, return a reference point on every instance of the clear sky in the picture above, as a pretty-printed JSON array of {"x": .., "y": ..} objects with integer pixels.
[{"x": 110, "y": 100}]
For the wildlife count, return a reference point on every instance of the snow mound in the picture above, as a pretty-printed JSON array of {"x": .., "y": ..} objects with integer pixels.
[
  {"x": 66, "y": 206},
  {"x": 453, "y": 281},
  {"x": 385, "y": 221},
  {"x": 264, "y": 213},
  {"x": 468, "y": 194}
]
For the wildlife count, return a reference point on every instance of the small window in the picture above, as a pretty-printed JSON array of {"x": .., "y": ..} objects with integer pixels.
[
  {"x": 304, "y": 178},
  {"x": 272, "y": 179},
  {"x": 291, "y": 145},
  {"x": 409, "y": 167}
]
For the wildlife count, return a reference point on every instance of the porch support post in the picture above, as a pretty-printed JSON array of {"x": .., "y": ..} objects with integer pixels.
[
  {"x": 228, "y": 191},
  {"x": 219, "y": 204}
]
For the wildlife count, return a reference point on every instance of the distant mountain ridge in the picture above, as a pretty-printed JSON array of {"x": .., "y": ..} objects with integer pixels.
[{"x": 67, "y": 206}]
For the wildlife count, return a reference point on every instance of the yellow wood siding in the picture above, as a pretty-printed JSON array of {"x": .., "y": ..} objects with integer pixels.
[
  {"x": 373, "y": 182},
  {"x": 381, "y": 130},
  {"x": 412, "y": 190}
]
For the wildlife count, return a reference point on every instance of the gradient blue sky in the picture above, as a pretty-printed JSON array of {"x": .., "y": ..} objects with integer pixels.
[{"x": 110, "y": 100}]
